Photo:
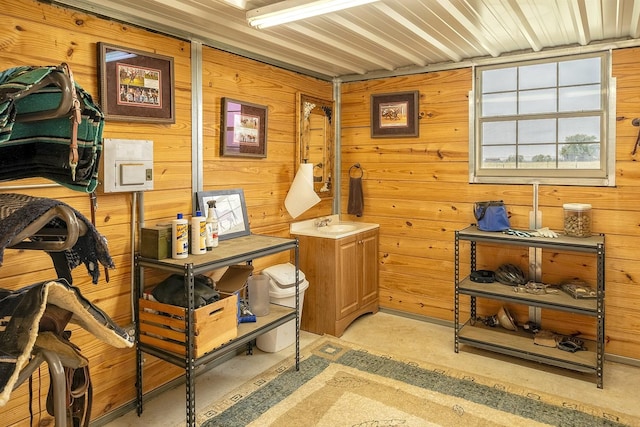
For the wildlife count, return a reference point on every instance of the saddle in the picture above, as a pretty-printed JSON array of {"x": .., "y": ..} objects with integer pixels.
[{"x": 79, "y": 390}]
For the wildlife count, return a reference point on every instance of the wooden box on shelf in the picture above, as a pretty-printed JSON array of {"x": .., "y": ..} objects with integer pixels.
[{"x": 163, "y": 325}]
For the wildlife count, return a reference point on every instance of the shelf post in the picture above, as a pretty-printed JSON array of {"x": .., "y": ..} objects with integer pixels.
[{"x": 190, "y": 358}]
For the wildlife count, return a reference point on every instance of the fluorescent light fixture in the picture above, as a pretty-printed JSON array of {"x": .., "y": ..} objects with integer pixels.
[{"x": 294, "y": 10}]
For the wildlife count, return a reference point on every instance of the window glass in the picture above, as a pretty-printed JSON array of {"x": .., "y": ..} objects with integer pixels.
[
  {"x": 580, "y": 98},
  {"x": 499, "y": 157},
  {"x": 544, "y": 121},
  {"x": 499, "y": 104},
  {"x": 499, "y": 132},
  {"x": 538, "y": 101},
  {"x": 499, "y": 80},
  {"x": 537, "y": 76},
  {"x": 537, "y": 131},
  {"x": 580, "y": 71}
]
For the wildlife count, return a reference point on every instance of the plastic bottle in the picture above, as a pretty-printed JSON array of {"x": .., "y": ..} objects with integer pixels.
[
  {"x": 179, "y": 237},
  {"x": 198, "y": 234},
  {"x": 212, "y": 226}
]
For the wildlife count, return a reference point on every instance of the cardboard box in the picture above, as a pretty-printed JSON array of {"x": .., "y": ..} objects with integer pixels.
[
  {"x": 155, "y": 242},
  {"x": 233, "y": 282},
  {"x": 234, "y": 278},
  {"x": 163, "y": 325}
]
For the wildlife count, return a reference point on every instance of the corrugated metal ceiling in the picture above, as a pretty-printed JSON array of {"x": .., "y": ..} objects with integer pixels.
[{"x": 388, "y": 37}]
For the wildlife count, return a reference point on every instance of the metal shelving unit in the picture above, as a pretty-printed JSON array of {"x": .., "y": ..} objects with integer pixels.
[
  {"x": 229, "y": 252},
  {"x": 520, "y": 344}
]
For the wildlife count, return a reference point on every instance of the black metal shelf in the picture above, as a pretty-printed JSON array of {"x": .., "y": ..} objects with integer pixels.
[
  {"x": 520, "y": 344},
  {"x": 229, "y": 252},
  {"x": 567, "y": 243},
  {"x": 247, "y": 332},
  {"x": 560, "y": 301}
]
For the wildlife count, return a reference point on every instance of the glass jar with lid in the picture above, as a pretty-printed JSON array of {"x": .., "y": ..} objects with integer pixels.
[{"x": 577, "y": 219}]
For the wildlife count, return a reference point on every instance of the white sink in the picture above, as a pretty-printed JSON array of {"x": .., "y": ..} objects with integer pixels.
[
  {"x": 335, "y": 229},
  {"x": 338, "y": 228}
]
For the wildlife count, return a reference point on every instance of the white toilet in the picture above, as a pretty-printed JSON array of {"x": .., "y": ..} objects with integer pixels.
[{"x": 282, "y": 291}]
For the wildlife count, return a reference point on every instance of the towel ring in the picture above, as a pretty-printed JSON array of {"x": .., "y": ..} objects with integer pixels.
[{"x": 356, "y": 166}]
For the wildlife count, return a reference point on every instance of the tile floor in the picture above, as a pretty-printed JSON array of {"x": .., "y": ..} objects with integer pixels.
[{"x": 415, "y": 339}]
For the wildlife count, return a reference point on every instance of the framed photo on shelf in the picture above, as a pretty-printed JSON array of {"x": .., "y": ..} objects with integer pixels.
[
  {"x": 135, "y": 86},
  {"x": 243, "y": 130},
  {"x": 231, "y": 211},
  {"x": 394, "y": 115}
]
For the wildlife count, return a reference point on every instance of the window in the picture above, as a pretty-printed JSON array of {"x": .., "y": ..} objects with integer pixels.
[{"x": 544, "y": 121}]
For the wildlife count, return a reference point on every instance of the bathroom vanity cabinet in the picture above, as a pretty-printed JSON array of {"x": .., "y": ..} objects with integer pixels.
[{"x": 343, "y": 280}]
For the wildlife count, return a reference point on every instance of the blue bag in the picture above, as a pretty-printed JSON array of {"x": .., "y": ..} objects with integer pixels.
[{"x": 491, "y": 216}]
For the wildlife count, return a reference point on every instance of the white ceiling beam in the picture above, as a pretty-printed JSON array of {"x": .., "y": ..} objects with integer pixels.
[
  {"x": 337, "y": 44},
  {"x": 525, "y": 28},
  {"x": 579, "y": 13},
  {"x": 410, "y": 26},
  {"x": 381, "y": 41},
  {"x": 634, "y": 28},
  {"x": 469, "y": 25},
  {"x": 184, "y": 6},
  {"x": 238, "y": 4}
]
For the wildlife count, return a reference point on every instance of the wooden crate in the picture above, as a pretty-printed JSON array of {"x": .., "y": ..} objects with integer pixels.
[{"x": 163, "y": 325}]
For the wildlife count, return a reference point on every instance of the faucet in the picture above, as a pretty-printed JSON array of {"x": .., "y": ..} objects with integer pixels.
[{"x": 322, "y": 222}]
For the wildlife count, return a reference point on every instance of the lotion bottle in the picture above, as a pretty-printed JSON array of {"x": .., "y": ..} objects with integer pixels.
[
  {"x": 212, "y": 226},
  {"x": 179, "y": 237},
  {"x": 198, "y": 234}
]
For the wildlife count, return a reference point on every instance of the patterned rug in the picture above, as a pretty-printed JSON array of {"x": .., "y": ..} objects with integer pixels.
[{"x": 342, "y": 384}]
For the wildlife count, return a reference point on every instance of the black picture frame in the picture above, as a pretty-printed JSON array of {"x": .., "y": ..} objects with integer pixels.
[
  {"x": 395, "y": 115},
  {"x": 231, "y": 210},
  {"x": 243, "y": 129},
  {"x": 135, "y": 86}
]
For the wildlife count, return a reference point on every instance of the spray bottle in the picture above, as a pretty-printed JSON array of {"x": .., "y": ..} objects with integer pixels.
[{"x": 212, "y": 226}]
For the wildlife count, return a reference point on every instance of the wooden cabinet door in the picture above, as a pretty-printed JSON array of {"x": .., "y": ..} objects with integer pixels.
[
  {"x": 348, "y": 272},
  {"x": 368, "y": 252}
]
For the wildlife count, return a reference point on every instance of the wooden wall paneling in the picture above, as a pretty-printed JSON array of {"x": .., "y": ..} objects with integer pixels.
[
  {"x": 415, "y": 187},
  {"x": 36, "y": 33},
  {"x": 429, "y": 172},
  {"x": 265, "y": 181},
  {"x": 42, "y": 34}
]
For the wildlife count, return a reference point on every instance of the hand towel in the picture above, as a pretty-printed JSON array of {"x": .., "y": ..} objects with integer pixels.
[{"x": 356, "y": 197}]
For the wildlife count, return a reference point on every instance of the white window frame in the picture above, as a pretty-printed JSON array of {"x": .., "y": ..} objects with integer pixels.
[{"x": 605, "y": 176}]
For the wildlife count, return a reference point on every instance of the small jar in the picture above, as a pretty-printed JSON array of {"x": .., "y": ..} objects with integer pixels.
[{"x": 577, "y": 219}]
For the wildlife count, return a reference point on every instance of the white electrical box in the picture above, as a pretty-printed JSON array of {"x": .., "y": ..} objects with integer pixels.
[{"x": 128, "y": 165}]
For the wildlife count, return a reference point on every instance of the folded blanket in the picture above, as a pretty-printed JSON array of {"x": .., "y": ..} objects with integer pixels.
[
  {"x": 41, "y": 148},
  {"x": 20, "y": 314},
  {"x": 17, "y": 211}
]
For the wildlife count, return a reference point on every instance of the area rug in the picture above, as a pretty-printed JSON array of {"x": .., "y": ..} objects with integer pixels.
[{"x": 343, "y": 384}]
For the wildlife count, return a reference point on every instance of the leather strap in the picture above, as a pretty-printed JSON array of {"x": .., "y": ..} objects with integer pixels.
[
  {"x": 76, "y": 119},
  {"x": 93, "y": 198}
]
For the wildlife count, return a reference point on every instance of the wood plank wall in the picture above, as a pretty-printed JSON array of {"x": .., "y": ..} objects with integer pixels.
[
  {"x": 39, "y": 34},
  {"x": 417, "y": 190}
]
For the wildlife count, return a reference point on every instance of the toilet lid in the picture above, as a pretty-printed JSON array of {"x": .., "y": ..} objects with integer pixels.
[{"x": 284, "y": 274}]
